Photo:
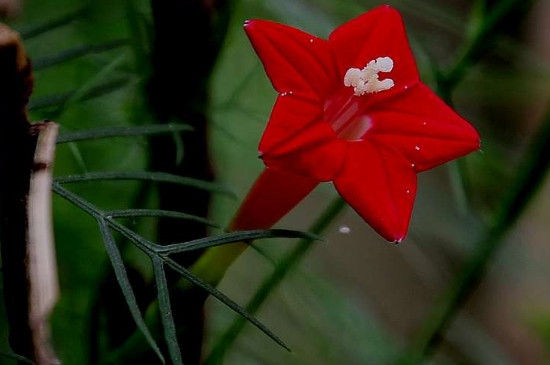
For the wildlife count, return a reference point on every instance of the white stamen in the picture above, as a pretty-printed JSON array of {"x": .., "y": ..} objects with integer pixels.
[{"x": 366, "y": 81}]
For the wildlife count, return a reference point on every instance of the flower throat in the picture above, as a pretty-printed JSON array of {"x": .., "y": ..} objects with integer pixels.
[{"x": 342, "y": 111}]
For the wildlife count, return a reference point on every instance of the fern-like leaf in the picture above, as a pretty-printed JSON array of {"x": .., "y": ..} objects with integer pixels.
[
  {"x": 124, "y": 131},
  {"x": 154, "y": 252},
  {"x": 134, "y": 213},
  {"x": 147, "y": 176},
  {"x": 165, "y": 309},
  {"x": 125, "y": 286},
  {"x": 233, "y": 237}
]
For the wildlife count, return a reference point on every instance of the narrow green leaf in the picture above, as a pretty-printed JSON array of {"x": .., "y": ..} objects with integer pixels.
[
  {"x": 133, "y": 213},
  {"x": 289, "y": 262},
  {"x": 95, "y": 92},
  {"x": 92, "y": 83},
  {"x": 83, "y": 50},
  {"x": 241, "y": 86},
  {"x": 125, "y": 286},
  {"x": 15, "y": 357},
  {"x": 52, "y": 24},
  {"x": 77, "y": 201},
  {"x": 123, "y": 131},
  {"x": 142, "y": 243},
  {"x": 165, "y": 309},
  {"x": 75, "y": 151},
  {"x": 147, "y": 176},
  {"x": 152, "y": 250},
  {"x": 233, "y": 237},
  {"x": 224, "y": 299},
  {"x": 146, "y": 246}
]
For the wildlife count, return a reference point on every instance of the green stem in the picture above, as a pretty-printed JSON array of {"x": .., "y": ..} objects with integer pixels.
[
  {"x": 485, "y": 33},
  {"x": 483, "y": 28},
  {"x": 270, "y": 283},
  {"x": 529, "y": 179}
]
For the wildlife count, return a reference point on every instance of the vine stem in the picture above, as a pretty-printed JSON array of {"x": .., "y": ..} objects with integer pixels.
[{"x": 537, "y": 162}]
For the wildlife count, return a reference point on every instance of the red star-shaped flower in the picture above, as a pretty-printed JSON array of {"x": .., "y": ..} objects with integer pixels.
[{"x": 352, "y": 110}]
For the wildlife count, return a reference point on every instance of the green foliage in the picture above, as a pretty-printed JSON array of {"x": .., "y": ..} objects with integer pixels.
[
  {"x": 159, "y": 256},
  {"x": 146, "y": 176},
  {"x": 108, "y": 132},
  {"x": 91, "y": 71}
]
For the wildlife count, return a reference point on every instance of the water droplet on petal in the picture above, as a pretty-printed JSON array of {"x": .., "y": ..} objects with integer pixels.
[
  {"x": 413, "y": 165},
  {"x": 284, "y": 94},
  {"x": 344, "y": 230},
  {"x": 290, "y": 93},
  {"x": 311, "y": 40},
  {"x": 417, "y": 148},
  {"x": 424, "y": 123},
  {"x": 407, "y": 191}
]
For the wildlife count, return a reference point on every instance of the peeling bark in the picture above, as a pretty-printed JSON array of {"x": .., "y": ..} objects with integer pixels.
[{"x": 26, "y": 238}]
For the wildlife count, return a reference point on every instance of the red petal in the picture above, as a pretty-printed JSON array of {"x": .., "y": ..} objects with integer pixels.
[
  {"x": 423, "y": 128},
  {"x": 315, "y": 153},
  {"x": 298, "y": 141},
  {"x": 290, "y": 115},
  {"x": 377, "y": 33},
  {"x": 294, "y": 60},
  {"x": 273, "y": 195},
  {"x": 379, "y": 183}
]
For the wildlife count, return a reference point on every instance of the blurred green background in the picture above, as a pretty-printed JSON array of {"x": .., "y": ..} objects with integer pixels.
[{"x": 355, "y": 299}]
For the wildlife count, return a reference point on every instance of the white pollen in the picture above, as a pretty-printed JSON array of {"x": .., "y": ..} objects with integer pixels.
[
  {"x": 344, "y": 230},
  {"x": 366, "y": 81}
]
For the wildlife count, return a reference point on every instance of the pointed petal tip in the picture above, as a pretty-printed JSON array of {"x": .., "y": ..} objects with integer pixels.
[
  {"x": 397, "y": 241},
  {"x": 394, "y": 238},
  {"x": 386, "y": 8},
  {"x": 247, "y": 26}
]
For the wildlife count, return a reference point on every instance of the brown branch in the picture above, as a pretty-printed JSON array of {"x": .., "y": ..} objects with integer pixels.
[
  {"x": 26, "y": 156},
  {"x": 41, "y": 262}
]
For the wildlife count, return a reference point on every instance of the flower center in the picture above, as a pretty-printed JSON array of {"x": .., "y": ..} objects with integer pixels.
[
  {"x": 344, "y": 112},
  {"x": 346, "y": 117},
  {"x": 366, "y": 81}
]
